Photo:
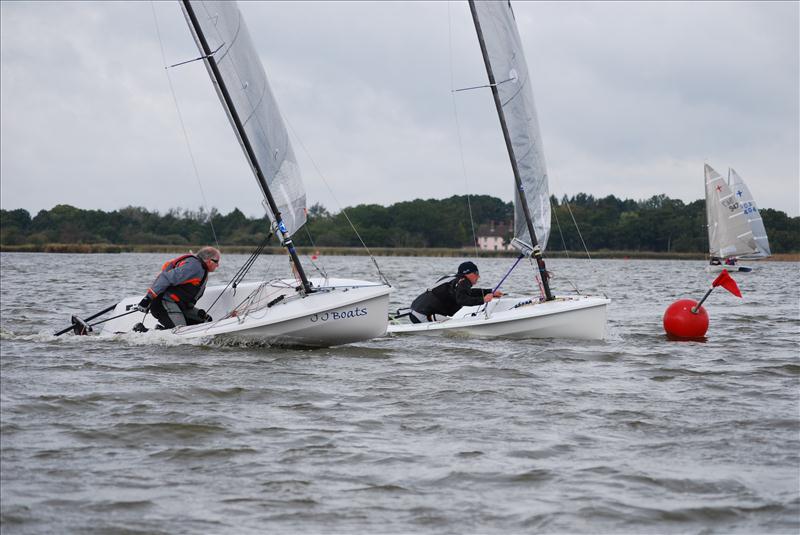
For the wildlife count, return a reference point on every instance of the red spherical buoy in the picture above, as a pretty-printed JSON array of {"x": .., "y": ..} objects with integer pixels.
[{"x": 681, "y": 322}]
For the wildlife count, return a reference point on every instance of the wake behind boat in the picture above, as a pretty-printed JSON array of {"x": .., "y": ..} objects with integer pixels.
[{"x": 540, "y": 316}]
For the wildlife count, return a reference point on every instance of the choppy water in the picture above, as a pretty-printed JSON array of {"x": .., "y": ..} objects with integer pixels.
[{"x": 634, "y": 434}]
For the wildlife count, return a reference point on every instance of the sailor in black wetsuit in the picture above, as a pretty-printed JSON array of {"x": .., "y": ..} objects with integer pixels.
[{"x": 450, "y": 294}]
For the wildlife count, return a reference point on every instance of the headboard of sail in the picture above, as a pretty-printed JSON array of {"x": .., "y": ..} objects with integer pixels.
[
  {"x": 243, "y": 74},
  {"x": 504, "y": 48}
]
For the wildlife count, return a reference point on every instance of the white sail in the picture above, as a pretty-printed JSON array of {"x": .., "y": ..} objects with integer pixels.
[
  {"x": 729, "y": 233},
  {"x": 742, "y": 193},
  {"x": 507, "y": 61},
  {"x": 243, "y": 74}
]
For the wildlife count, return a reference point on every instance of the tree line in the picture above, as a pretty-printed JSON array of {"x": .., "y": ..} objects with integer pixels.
[{"x": 658, "y": 224}]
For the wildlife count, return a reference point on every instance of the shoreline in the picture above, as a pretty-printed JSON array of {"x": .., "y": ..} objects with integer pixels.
[{"x": 103, "y": 248}]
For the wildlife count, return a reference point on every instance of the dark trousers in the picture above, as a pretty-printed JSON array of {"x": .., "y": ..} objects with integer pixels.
[{"x": 170, "y": 315}]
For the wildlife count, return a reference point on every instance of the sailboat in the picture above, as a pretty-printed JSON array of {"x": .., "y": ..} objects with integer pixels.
[
  {"x": 301, "y": 311},
  {"x": 742, "y": 193},
  {"x": 735, "y": 228},
  {"x": 540, "y": 316}
]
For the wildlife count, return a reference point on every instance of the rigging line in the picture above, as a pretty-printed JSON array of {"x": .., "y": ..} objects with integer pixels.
[
  {"x": 560, "y": 232},
  {"x": 535, "y": 269},
  {"x": 458, "y": 130},
  {"x": 335, "y": 199},
  {"x": 586, "y": 249},
  {"x": 314, "y": 246},
  {"x": 603, "y": 279},
  {"x": 196, "y": 59},
  {"x": 574, "y": 222},
  {"x": 563, "y": 242},
  {"x": 239, "y": 276},
  {"x": 499, "y": 284},
  {"x": 481, "y": 86},
  {"x": 183, "y": 125}
]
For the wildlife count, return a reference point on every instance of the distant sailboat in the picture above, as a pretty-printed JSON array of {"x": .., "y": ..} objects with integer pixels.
[
  {"x": 730, "y": 232},
  {"x": 575, "y": 316}
]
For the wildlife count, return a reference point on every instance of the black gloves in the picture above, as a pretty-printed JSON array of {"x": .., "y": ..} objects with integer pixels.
[
  {"x": 144, "y": 304},
  {"x": 203, "y": 315}
]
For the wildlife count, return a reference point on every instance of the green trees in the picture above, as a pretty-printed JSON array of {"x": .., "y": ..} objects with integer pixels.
[
  {"x": 657, "y": 224},
  {"x": 418, "y": 223},
  {"x": 783, "y": 231},
  {"x": 14, "y": 226}
]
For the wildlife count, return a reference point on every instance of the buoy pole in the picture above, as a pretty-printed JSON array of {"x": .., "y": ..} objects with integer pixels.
[{"x": 697, "y": 307}]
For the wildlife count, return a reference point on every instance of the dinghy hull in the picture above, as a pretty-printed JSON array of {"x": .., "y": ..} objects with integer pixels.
[
  {"x": 341, "y": 311},
  {"x": 565, "y": 317},
  {"x": 729, "y": 269}
]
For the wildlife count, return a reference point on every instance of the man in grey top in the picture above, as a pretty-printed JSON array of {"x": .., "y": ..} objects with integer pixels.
[{"x": 181, "y": 283}]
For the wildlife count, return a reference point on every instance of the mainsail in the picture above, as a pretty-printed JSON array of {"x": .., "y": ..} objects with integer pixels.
[
  {"x": 742, "y": 193},
  {"x": 505, "y": 55},
  {"x": 243, "y": 74},
  {"x": 729, "y": 233}
]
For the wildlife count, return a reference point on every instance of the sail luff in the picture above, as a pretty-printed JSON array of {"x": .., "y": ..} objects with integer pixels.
[
  {"x": 509, "y": 29},
  {"x": 220, "y": 84},
  {"x": 228, "y": 106},
  {"x": 504, "y": 57}
]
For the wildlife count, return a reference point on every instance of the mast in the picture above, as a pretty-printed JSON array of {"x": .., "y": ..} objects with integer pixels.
[
  {"x": 212, "y": 63},
  {"x": 537, "y": 252}
]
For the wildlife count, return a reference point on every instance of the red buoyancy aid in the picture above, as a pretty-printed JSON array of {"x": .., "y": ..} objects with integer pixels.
[
  {"x": 175, "y": 262},
  {"x": 185, "y": 293}
]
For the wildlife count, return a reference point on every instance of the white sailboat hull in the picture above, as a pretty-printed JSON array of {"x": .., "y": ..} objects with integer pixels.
[
  {"x": 575, "y": 317},
  {"x": 341, "y": 311}
]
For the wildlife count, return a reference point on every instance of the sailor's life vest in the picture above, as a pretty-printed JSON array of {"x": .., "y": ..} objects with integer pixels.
[{"x": 185, "y": 288}]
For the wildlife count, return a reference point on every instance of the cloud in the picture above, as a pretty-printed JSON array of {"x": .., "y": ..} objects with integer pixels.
[{"x": 632, "y": 98}]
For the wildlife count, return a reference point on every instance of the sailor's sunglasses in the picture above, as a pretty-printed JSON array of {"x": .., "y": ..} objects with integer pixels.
[{"x": 215, "y": 260}]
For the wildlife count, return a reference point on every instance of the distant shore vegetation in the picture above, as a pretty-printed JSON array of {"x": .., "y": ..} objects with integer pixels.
[{"x": 609, "y": 225}]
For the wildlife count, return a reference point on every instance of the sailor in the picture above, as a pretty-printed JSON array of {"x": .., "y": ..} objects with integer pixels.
[
  {"x": 450, "y": 294},
  {"x": 181, "y": 283}
]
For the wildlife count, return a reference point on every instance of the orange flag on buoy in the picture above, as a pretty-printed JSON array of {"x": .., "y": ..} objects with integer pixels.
[{"x": 727, "y": 282}]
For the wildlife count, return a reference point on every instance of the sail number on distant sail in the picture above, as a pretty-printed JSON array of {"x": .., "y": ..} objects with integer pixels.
[
  {"x": 749, "y": 207},
  {"x": 730, "y": 204}
]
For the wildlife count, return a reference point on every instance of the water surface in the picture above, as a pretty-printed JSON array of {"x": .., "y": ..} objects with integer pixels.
[{"x": 433, "y": 435}]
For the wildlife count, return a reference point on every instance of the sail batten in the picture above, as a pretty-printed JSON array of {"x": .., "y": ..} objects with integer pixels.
[
  {"x": 507, "y": 61},
  {"x": 267, "y": 146}
]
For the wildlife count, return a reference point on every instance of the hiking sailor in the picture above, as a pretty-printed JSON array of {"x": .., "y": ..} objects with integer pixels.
[
  {"x": 451, "y": 294},
  {"x": 181, "y": 283}
]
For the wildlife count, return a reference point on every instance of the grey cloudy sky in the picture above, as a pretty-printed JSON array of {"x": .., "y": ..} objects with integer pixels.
[{"x": 633, "y": 98}]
